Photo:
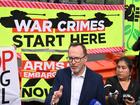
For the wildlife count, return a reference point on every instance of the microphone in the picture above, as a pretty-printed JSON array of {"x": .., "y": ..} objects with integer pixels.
[
  {"x": 108, "y": 87},
  {"x": 138, "y": 102},
  {"x": 111, "y": 92},
  {"x": 95, "y": 102}
]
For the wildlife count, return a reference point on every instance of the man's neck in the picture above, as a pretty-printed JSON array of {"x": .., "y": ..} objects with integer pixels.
[{"x": 81, "y": 72}]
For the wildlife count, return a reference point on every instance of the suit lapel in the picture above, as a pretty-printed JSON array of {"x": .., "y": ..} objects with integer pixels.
[
  {"x": 84, "y": 88},
  {"x": 68, "y": 84}
]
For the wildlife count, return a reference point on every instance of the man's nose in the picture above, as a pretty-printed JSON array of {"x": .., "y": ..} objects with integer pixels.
[{"x": 73, "y": 61}]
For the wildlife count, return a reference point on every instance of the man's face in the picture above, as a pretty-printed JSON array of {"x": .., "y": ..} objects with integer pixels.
[{"x": 77, "y": 59}]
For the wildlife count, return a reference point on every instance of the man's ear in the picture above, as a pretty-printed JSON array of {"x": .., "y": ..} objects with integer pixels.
[{"x": 86, "y": 58}]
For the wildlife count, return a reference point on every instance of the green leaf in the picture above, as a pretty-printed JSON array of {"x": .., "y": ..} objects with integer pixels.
[
  {"x": 136, "y": 34},
  {"x": 127, "y": 29}
]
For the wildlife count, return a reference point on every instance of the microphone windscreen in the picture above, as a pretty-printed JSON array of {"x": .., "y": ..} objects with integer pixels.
[
  {"x": 109, "y": 89},
  {"x": 95, "y": 102}
]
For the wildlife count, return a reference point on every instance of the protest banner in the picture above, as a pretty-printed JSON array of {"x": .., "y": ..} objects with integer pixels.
[
  {"x": 131, "y": 25},
  {"x": 43, "y": 31},
  {"x": 9, "y": 78}
]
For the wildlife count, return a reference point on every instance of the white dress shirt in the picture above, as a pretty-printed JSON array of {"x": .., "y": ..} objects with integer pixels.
[{"x": 76, "y": 87}]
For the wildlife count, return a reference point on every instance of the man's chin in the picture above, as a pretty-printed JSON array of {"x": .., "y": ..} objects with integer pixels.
[{"x": 75, "y": 71}]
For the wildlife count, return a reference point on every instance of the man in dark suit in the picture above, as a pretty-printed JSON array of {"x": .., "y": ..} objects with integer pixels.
[{"x": 77, "y": 84}]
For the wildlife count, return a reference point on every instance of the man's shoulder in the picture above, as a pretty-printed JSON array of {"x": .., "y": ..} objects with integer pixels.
[
  {"x": 94, "y": 77},
  {"x": 93, "y": 73},
  {"x": 64, "y": 70}
]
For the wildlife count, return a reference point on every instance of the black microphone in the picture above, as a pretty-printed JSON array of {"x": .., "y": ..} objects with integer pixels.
[{"x": 111, "y": 92}]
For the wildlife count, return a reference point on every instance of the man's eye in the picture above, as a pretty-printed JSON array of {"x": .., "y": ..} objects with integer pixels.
[{"x": 70, "y": 58}]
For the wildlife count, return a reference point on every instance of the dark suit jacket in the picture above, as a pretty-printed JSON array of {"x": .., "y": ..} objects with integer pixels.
[{"x": 92, "y": 88}]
